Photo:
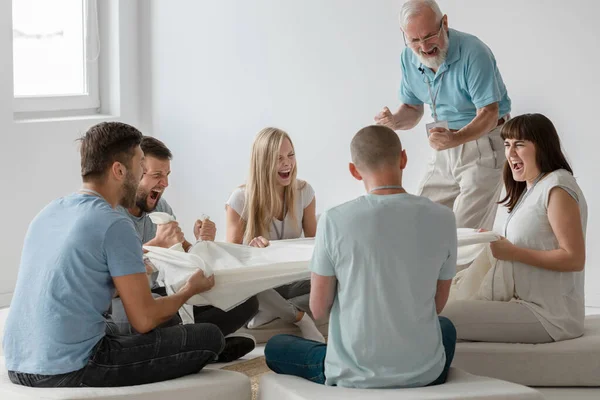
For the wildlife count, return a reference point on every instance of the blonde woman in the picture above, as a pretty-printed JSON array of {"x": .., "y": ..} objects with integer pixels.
[{"x": 274, "y": 205}]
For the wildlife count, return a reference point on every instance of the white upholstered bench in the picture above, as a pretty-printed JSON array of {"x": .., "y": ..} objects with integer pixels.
[
  {"x": 573, "y": 362},
  {"x": 208, "y": 384},
  {"x": 460, "y": 385}
]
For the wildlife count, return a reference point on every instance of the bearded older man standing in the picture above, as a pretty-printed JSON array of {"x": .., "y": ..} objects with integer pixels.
[{"x": 456, "y": 74}]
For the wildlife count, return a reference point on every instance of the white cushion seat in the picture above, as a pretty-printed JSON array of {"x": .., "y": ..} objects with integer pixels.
[
  {"x": 205, "y": 385},
  {"x": 460, "y": 385},
  {"x": 574, "y": 362}
]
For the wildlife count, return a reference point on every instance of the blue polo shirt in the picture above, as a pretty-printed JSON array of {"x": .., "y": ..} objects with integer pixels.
[{"x": 469, "y": 80}]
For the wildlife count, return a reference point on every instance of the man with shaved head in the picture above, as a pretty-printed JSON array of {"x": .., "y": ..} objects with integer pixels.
[{"x": 382, "y": 267}]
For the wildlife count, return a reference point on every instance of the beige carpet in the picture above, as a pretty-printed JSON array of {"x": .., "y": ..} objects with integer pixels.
[{"x": 253, "y": 369}]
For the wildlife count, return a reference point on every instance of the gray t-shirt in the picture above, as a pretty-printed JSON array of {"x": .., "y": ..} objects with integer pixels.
[{"x": 146, "y": 229}]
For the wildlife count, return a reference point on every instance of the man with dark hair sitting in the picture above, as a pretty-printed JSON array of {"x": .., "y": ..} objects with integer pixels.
[
  {"x": 77, "y": 251},
  {"x": 149, "y": 198}
]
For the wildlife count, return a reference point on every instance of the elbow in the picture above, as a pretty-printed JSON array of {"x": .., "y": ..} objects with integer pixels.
[
  {"x": 319, "y": 311},
  {"x": 234, "y": 236},
  {"x": 316, "y": 311},
  {"x": 439, "y": 307},
  {"x": 490, "y": 116},
  {"x": 578, "y": 265},
  {"x": 576, "y": 262},
  {"x": 318, "y": 314},
  {"x": 142, "y": 329},
  {"x": 440, "y": 302},
  {"x": 142, "y": 325}
]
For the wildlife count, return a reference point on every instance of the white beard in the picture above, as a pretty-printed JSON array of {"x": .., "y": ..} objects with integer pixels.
[{"x": 434, "y": 62}]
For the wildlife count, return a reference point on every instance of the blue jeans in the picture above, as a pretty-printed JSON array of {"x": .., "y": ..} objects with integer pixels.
[
  {"x": 292, "y": 355},
  {"x": 127, "y": 360}
]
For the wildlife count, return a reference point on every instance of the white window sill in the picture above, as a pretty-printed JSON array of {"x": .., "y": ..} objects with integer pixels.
[{"x": 23, "y": 118}]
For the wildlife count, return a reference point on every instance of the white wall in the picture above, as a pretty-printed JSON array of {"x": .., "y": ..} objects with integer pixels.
[
  {"x": 220, "y": 71},
  {"x": 40, "y": 160}
]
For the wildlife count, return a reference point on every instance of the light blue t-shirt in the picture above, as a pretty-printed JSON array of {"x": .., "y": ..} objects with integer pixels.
[
  {"x": 72, "y": 249},
  {"x": 387, "y": 253},
  {"x": 469, "y": 80}
]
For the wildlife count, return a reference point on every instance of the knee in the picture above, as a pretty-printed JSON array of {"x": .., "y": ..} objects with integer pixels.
[
  {"x": 447, "y": 327},
  {"x": 275, "y": 344},
  {"x": 207, "y": 336}
]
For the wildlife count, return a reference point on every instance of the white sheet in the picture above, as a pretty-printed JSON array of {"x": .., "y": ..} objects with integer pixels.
[{"x": 243, "y": 271}]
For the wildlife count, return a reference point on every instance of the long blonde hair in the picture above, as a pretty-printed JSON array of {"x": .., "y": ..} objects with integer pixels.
[{"x": 262, "y": 199}]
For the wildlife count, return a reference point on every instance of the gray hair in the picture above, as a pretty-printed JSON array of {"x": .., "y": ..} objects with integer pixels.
[{"x": 412, "y": 8}]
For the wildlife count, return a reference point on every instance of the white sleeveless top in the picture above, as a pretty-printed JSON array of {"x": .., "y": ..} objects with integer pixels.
[
  {"x": 556, "y": 298},
  {"x": 292, "y": 229}
]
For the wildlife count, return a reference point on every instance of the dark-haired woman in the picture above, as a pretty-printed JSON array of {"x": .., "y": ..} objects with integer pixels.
[{"x": 534, "y": 292}]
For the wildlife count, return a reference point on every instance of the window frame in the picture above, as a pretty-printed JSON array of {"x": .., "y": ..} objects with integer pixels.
[{"x": 90, "y": 101}]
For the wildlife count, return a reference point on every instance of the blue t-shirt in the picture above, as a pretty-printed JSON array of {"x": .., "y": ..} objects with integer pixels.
[
  {"x": 72, "y": 249},
  {"x": 468, "y": 80},
  {"x": 387, "y": 254}
]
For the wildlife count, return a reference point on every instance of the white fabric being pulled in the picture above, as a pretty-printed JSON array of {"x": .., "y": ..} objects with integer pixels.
[
  {"x": 242, "y": 271},
  {"x": 160, "y": 218},
  {"x": 474, "y": 283},
  {"x": 474, "y": 249}
]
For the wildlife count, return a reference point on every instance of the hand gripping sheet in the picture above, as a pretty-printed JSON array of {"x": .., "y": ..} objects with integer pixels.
[{"x": 242, "y": 271}]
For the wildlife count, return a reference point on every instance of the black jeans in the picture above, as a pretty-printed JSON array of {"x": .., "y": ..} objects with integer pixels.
[
  {"x": 127, "y": 360},
  {"x": 228, "y": 321}
]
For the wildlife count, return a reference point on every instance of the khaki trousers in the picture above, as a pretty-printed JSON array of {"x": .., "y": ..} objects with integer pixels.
[{"x": 468, "y": 179}]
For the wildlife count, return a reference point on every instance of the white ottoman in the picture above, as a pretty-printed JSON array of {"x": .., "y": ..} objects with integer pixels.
[
  {"x": 460, "y": 385},
  {"x": 206, "y": 385},
  {"x": 573, "y": 362}
]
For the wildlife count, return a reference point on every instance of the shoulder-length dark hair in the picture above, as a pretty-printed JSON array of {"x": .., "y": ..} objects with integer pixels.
[{"x": 549, "y": 157}]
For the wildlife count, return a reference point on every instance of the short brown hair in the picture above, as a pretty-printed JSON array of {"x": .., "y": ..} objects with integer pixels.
[
  {"x": 155, "y": 148},
  {"x": 105, "y": 143},
  {"x": 375, "y": 146}
]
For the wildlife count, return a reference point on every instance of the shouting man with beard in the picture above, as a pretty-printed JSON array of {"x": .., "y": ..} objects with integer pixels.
[
  {"x": 157, "y": 162},
  {"x": 149, "y": 199},
  {"x": 77, "y": 251},
  {"x": 456, "y": 75}
]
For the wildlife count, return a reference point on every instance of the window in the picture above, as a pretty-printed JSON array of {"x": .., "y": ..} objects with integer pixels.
[{"x": 55, "y": 55}]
